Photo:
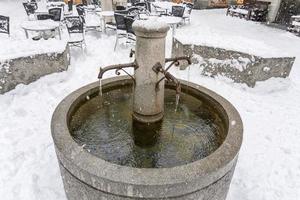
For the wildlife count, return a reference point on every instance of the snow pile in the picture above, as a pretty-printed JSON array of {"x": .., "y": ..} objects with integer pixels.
[
  {"x": 214, "y": 29},
  {"x": 269, "y": 161},
  {"x": 26, "y": 47}
]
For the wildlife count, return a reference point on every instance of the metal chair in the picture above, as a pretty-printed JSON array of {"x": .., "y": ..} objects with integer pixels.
[
  {"x": 80, "y": 9},
  {"x": 70, "y": 5},
  {"x": 130, "y": 33},
  {"x": 148, "y": 6},
  {"x": 133, "y": 2},
  {"x": 56, "y": 13},
  {"x": 96, "y": 3},
  {"x": 4, "y": 25},
  {"x": 187, "y": 13},
  {"x": 120, "y": 8},
  {"x": 44, "y": 16},
  {"x": 177, "y": 11},
  {"x": 76, "y": 31},
  {"x": 133, "y": 11},
  {"x": 30, "y": 8},
  {"x": 121, "y": 28}
]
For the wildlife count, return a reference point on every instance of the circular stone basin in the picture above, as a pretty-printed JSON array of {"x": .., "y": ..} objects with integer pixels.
[{"x": 192, "y": 155}]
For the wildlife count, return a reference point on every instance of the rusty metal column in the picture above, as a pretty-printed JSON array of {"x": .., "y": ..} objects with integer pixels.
[{"x": 148, "y": 103}]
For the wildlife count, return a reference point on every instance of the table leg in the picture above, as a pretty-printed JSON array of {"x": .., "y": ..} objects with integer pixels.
[
  {"x": 26, "y": 33},
  {"x": 59, "y": 33},
  {"x": 173, "y": 30},
  {"x": 103, "y": 24}
]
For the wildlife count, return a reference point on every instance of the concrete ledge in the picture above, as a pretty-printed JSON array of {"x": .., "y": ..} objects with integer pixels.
[
  {"x": 25, "y": 70},
  {"x": 238, "y": 66}
]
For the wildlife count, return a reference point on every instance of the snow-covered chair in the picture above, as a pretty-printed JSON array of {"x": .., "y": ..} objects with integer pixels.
[
  {"x": 187, "y": 12},
  {"x": 4, "y": 25},
  {"x": 294, "y": 25},
  {"x": 76, "y": 31},
  {"x": 120, "y": 27},
  {"x": 30, "y": 8}
]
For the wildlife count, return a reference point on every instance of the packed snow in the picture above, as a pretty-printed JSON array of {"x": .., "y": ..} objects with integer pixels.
[
  {"x": 236, "y": 34},
  {"x": 269, "y": 161}
]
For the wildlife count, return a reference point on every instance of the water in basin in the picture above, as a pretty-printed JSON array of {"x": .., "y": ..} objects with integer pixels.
[{"x": 104, "y": 127}]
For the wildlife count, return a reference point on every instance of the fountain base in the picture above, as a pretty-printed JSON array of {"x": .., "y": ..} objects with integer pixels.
[{"x": 88, "y": 176}]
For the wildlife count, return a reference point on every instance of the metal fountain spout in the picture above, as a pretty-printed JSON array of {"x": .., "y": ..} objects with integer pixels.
[
  {"x": 118, "y": 67},
  {"x": 159, "y": 68}
]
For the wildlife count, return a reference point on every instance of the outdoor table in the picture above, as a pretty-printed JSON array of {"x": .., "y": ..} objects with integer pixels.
[
  {"x": 56, "y": 4},
  {"x": 104, "y": 15},
  {"x": 165, "y": 5},
  {"x": 40, "y": 26},
  {"x": 171, "y": 21}
]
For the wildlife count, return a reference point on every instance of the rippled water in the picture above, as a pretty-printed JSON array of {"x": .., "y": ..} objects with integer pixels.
[{"x": 104, "y": 127}]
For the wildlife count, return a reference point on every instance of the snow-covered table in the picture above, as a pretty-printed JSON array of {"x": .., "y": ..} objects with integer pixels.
[
  {"x": 171, "y": 21},
  {"x": 165, "y": 6},
  {"x": 40, "y": 26}
]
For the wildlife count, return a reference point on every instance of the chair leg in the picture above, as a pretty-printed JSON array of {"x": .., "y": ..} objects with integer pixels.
[{"x": 117, "y": 38}]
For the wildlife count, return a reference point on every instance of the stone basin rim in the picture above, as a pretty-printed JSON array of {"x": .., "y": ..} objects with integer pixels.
[{"x": 209, "y": 169}]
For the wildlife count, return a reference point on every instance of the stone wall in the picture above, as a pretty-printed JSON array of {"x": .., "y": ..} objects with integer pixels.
[
  {"x": 238, "y": 66},
  {"x": 28, "y": 69}
]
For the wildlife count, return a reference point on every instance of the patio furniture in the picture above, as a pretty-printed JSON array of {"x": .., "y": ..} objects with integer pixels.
[
  {"x": 148, "y": 6},
  {"x": 160, "y": 10},
  {"x": 121, "y": 28},
  {"x": 177, "y": 11},
  {"x": 133, "y": 11},
  {"x": 4, "y": 24},
  {"x": 130, "y": 33},
  {"x": 76, "y": 31},
  {"x": 259, "y": 11},
  {"x": 41, "y": 26},
  {"x": 120, "y": 8},
  {"x": 80, "y": 10},
  {"x": 92, "y": 22},
  {"x": 96, "y": 3},
  {"x": 56, "y": 13},
  {"x": 250, "y": 10},
  {"x": 107, "y": 14},
  {"x": 188, "y": 10},
  {"x": 44, "y": 17},
  {"x": 70, "y": 5},
  {"x": 30, "y": 8},
  {"x": 133, "y": 2},
  {"x": 294, "y": 25}
]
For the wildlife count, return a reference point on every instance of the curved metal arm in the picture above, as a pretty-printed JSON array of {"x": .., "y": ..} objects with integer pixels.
[
  {"x": 159, "y": 68},
  {"x": 117, "y": 68},
  {"x": 176, "y": 61}
]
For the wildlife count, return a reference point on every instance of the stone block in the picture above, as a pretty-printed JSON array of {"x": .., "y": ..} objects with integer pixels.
[
  {"x": 238, "y": 66},
  {"x": 25, "y": 70}
]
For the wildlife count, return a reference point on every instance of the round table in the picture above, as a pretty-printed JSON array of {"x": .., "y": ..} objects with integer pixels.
[
  {"x": 171, "y": 21},
  {"x": 165, "y": 5},
  {"x": 40, "y": 26}
]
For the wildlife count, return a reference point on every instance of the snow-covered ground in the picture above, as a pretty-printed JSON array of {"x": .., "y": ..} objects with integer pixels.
[{"x": 269, "y": 161}]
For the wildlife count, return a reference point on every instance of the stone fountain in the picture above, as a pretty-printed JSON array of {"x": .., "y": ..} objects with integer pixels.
[{"x": 134, "y": 138}]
